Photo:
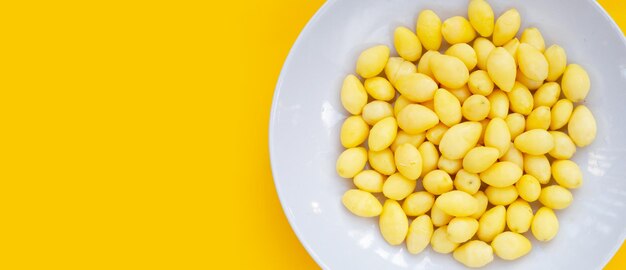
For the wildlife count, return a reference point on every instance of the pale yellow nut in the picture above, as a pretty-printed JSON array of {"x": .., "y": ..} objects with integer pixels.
[
  {"x": 501, "y": 174},
  {"x": 447, "y": 107},
  {"x": 510, "y": 245},
  {"x": 528, "y": 188},
  {"x": 547, "y": 95},
  {"x": 416, "y": 87},
  {"x": 459, "y": 139},
  {"x": 480, "y": 159},
  {"x": 520, "y": 99},
  {"x": 575, "y": 83},
  {"x": 557, "y": 61},
  {"x": 440, "y": 242},
  {"x": 351, "y": 161},
  {"x": 420, "y": 233},
  {"x": 475, "y": 253},
  {"x": 379, "y": 88},
  {"x": 428, "y": 28},
  {"x": 376, "y": 111},
  {"x": 531, "y": 84},
  {"x": 538, "y": 166},
  {"x": 501, "y": 196},
  {"x": 481, "y": 17},
  {"x": 506, "y": 27},
  {"x": 382, "y": 161},
  {"x": 461, "y": 229},
  {"x": 567, "y": 173},
  {"x": 516, "y": 123},
  {"x": 480, "y": 83},
  {"x": 416, "y": 119},
  {"x": 564, "y": 147},
  {"x": 437, "y": 182},
  {"x": 430, "y": 157},
  {"x": 435, "y": 134},
  {"x": 397, "y": 67},
  {"x": 512, "y": 46},
  {"x": 532, "y": 62},
  {"x": 418, "y": 203},
  {"x": 407, "y": 44},
  {"x": 402, "y": 137},
  {"x": 545, "y": 225},
  {"x": 382, "y": 134},
  {"x": 483, "y": 202},
  {"x": 369, "y": 180},
  {"x": 457, "y": 30},
  {"x": 423, "y": 66},
  {"x": 555, "y": 197},
  {"x": 582, "y": 126},
  {"x": 519, "y": 216},
  {"x": 408, "y": 161},
  {"x": 450, "y": 71},
  {"x": 439, "y": 217},
  {"x": 476, "y": 108},
  {"x": 372, "y": 61},
  {"x": 393, "y": 223},
  {"x": 560, "y": 113},
  {"x": 461, "y": 93},
  {"x": 400, "y": 103},
  {"x": 502, "y": 68},
  {"x": 451, "y": 166},
  {"x": 483, "y": 48},
  {"x": 353, "y": 95},
  {"x": 499, "y": 105},
  {"x": 539, "y": 118},
  {"x": 464, "y": 52},
  {"x": 398, "y": 187},
  {"x": 467, "y": 182},
  {"x": 532, "y": 36},
  {"x": 491, "y": 223},
  {"x": 515, "y": 156},
  {"x": 457, "y": 203},
  {"x": 354, "y": 131},
  {"x": 535, "y": 142},
  {"x": 498, "y": 136},
  {"x": 361, "y": 203}
]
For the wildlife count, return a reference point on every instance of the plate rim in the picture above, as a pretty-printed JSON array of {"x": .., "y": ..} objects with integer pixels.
[{"x": 272, "y": 124}]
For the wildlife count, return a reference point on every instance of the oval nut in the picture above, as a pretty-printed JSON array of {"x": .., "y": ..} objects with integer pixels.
[
  {"x": 361, "y": 203},
  {"x": 501, "y": 174},
  {"x": 582, "y": 126},
  {"x": 481, "y": 17},
  {"x": 457, "y": 203},
  {"x": 545, "y": 225},
  {"x": 407, "y": 44},
  {"x": 353, "y": 95},
  {"x": 393, "y": 223},
  {"x": 351, "y": 161},
  {"x": 510, "y": 245},
  {"x": 372, "y": 61},
  {"x": 459, "y": 139},
  {"x": 534, "y": 142},
  {"x": 419, "y": 235},
  {"x": 428, "y": 29}
]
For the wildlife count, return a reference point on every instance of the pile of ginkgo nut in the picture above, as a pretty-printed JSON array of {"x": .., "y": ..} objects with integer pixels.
[{"x": 484, "y": 126}]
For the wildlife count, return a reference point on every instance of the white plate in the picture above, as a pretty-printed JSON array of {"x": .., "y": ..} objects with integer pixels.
[{"x": 307, "y": 115}]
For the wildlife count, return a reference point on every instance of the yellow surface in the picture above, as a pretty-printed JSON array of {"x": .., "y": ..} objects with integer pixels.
[{"x": 127, "y": 134}]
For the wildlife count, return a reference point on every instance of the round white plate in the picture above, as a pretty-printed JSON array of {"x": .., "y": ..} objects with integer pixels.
[{"x": 307, "y": 116}]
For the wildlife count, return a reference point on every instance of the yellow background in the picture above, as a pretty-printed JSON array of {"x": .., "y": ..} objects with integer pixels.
[{"x": 134, "y": 134}]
